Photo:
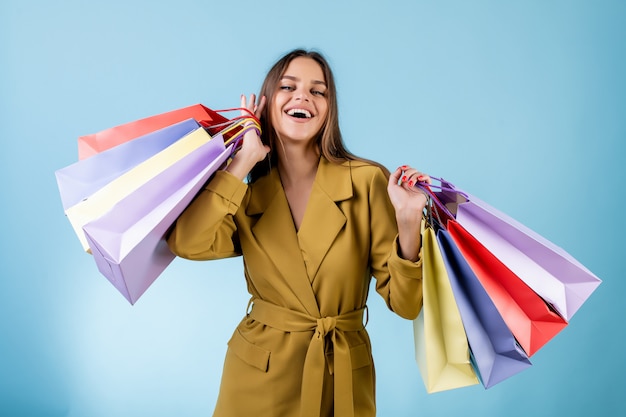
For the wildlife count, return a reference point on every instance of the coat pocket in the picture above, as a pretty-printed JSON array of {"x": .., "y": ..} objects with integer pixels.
[
  {"x": 360, "y": 356},
  {"x": 248, "y": 352}
]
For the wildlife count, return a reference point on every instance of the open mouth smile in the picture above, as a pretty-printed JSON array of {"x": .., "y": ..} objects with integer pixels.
[{"x": 299, "y": 113}]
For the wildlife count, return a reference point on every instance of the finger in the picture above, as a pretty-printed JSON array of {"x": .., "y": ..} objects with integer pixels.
[
  {"x": 259, "y": 108},
  {"x": 405, "y": 175},
  {"x": 416, "y": 176},
  {"x": 424, "y": 178},
  {"x": 243, "y": 104},
  {"x": 408, "y": 174},
  {"x": 394, "y": 177},
  {"x": 408, "y": 170},
  {"x": 251, "y": 102}
]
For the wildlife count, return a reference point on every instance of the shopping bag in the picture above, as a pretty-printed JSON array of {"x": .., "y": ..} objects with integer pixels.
[
  {"x": 495, "y": 353},
  {"x": 128, "y": 242},
  {"x": 81, "y": 179},
  {"x": 441, "y": 347},
  {"x": 546, "y": 268},
  {"x": 89, "y": 145},
  {"x": 529, "y": 317},
  {"x": 106, "y": 197}
]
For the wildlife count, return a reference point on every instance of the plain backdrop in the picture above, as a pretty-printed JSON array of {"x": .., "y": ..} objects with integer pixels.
[{"x": 521, "y": 103}]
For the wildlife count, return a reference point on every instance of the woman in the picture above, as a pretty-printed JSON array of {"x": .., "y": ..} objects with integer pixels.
[{"x": 314, "y": 223}]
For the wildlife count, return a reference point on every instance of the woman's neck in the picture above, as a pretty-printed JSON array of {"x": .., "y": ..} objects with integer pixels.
[{"x": 297, "y": 164}]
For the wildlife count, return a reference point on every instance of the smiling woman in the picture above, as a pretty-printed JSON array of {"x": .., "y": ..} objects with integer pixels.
[
  {"x": 521, "y": 102},
  {"x": 313, "y": 223},
  {"x": 300, "y": 106}
]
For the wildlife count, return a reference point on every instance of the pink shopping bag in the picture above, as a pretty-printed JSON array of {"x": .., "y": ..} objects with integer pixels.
[{"x": 89, "y": 145}]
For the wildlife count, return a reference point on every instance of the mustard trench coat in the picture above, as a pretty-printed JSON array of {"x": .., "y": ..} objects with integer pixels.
[{"x": 302, "y": 350}]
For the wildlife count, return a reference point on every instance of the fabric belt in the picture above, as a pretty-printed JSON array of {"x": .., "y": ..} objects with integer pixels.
[{"x": 287, "y": 320}]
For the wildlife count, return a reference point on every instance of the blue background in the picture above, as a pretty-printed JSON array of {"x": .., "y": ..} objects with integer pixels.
[{"x": 521, "y": 103}]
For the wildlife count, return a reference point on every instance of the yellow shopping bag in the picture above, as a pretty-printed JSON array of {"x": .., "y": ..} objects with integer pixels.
[
  {"x": 105, "y": 198},
  {"x": 441, "y": 347}
]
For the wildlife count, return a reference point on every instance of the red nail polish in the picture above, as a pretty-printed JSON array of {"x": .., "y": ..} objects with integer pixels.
[
  {"x": 404, "y": 178},
  {"x": 403, "y": 167},
  {"x": 411, "y": 183}
]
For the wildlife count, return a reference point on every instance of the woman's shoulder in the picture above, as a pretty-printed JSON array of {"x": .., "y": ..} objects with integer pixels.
[
  {"x": 365, "y": 175},
  {"x": 365, "y": 168}
]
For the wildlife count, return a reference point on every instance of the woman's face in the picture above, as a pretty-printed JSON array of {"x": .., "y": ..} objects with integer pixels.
[{"x": 299, "y": 106}]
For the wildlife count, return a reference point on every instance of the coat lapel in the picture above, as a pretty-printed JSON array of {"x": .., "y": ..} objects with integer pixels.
[
  {"x": 276, "y": 234},
  {"x": 323, "y": 219},
  {"x": 322, "y": 222}
]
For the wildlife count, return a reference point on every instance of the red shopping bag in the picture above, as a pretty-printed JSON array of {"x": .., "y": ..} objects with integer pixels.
[
  {"x": 89, "y": 145},
  {"x": 527, "y": 315}
]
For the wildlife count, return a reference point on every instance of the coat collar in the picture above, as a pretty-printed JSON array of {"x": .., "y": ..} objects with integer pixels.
[
  {"x": 298, "y": 255},
  {"x": 335, "y": 180}
]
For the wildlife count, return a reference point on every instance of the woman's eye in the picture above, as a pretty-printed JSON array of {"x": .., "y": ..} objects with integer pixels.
[
  {"x": 286, "y": 87},
  {"x": 318, "y": 93}
]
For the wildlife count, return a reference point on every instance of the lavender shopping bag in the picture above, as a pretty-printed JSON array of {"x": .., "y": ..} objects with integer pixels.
[
  {"x": 128, "y": 242},
  {"x": 550, "y": 271},
  {"x": 81, "y": 179},
  {"x": 495, "y": 352}
]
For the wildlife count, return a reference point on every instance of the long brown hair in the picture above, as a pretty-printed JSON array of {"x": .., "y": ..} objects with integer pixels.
[{"x": 329, "y": 139}]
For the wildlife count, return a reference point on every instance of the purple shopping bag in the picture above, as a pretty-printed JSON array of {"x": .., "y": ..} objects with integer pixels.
[
  {"x": 495, "y": 352},
  {"x": 547, "y": 269},
  {"x": 128, "y": 242},
  {"x": 81, "y": 179}
]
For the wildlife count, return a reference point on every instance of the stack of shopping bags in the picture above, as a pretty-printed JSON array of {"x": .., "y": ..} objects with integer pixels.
[
  {"x": 132, "y": 181},
  {"x": 495, "y": 292}
]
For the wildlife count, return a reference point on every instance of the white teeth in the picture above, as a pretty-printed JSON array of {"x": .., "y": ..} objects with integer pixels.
[{"x": 302, "y": 113}]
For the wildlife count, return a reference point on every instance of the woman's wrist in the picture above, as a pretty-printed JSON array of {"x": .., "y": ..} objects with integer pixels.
[
  {"x": 409, "y": 247},
  {"x": 241, "y": 165}
]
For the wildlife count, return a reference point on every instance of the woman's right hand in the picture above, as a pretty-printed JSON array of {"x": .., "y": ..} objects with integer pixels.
[{"x": 252, "y": 148}]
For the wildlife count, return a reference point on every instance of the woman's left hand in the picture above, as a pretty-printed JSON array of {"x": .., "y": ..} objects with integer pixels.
[{"x": 408, "y": 202}]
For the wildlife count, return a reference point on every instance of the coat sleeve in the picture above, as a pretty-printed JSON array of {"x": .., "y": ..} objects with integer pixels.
[
  {"x": 207, "y": 229},
  {"x": 398, "y": 280}
]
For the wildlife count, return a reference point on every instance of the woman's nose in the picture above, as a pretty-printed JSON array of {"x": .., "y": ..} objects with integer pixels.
[{"x": 302, "y": 95}]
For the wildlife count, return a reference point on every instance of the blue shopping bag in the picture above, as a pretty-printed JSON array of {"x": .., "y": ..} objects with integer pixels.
[{"x": 495, "y": 352}]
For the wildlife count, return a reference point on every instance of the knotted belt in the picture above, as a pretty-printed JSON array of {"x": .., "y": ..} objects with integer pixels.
[{"x": 315, "y": 361}]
